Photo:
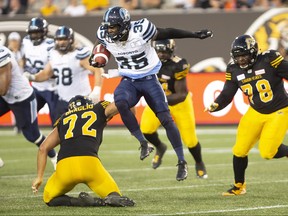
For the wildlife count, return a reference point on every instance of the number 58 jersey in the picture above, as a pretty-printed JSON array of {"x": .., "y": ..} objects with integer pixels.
[{"x": 135, "y": 57}]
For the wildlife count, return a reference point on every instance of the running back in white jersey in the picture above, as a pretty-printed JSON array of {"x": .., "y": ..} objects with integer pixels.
[
  {"x": 19, "y": 88},
  {"x": 37, "y": 57},
  {"x": 135, "y": 57},
  {"x": 71, "y": 78}
]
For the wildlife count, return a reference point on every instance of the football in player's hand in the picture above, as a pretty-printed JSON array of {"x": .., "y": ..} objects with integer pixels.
[{"x": 101, "y": 55}]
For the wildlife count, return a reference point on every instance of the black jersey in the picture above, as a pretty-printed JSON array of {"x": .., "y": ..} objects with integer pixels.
[
  {"x": 173, "y": 69},
  {"x": 263, "y": 83},
  {"x": 81, "y": 130}
]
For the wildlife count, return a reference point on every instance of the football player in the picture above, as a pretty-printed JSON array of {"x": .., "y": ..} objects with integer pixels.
[
  {"x": 17, "y": 95},
  {"x": 70, "y": 65},
  {"x": 34, "y": 49},
  {"x": 129, "y": 42},
  {"x": 172, "y": 77},
  {"x": 79, "y": 132},
  {"x": 260, "y": 78}
]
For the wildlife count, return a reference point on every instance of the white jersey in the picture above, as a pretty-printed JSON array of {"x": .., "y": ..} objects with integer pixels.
[
  {"x": 19, "y": 88},
  {"x": 71, "y": 78},
  {"x": 37, "y": 57},
  {"x": 135, "y": 57}
]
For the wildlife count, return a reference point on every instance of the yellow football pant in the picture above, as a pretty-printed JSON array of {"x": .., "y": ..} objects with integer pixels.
[
  {"x": 79, "y": 169},
  {"x": 183, "y": 115},
  {"x": 268, "y": 129}
]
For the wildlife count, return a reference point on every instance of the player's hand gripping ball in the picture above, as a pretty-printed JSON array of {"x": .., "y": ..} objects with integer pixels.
[{"x": 100, "y": 56}]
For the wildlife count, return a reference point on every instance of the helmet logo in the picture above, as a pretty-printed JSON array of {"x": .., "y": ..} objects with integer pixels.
[
  {"x": 250, "y": 42},
  {"x": 124, "y": 14}
]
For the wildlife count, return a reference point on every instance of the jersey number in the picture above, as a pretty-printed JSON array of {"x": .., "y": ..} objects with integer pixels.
[
  {"x": 66, "y": 76},
  {"x": 264, "y": 89},
  {"x": 72, "y": 119},
  {"x": 138, "y": 61}
]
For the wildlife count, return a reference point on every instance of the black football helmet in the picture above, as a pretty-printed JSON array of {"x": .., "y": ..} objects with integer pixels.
[
  {"x": 78, "y": 101},
  {"x": 37, "y": 30},
  {"x": 116, "y": 16},
  {"x": 64, "y": 33},
  {"x": 164, "y": 46},
  {"x": 244, "y": 45}
]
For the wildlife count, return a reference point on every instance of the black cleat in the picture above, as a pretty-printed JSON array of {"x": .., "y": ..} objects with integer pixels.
[
  {"x": 182, "y": 171},
  {"x": 201, "y": 170},
  {"x": 146, "y": 149},
  {"x": 160, "y": 151},
  {"x": 118, "y": 201},
  {"x": 88, "y": 200}
]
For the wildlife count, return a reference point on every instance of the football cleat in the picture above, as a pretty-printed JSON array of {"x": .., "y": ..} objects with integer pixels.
[
  {"x": 118, "y": 201},
  {"x": 146, "y": 148},
  {"x": 88, "y": 200},
  {"x": 182, "y": 171},
  {"x": 237, "y": 189},
  {"x": 201, "y": 170},
  {"x": 157, "y": 160}
]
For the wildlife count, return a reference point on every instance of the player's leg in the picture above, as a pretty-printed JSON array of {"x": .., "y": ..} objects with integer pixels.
[
  {"x": 26, "y": 116},
  {"x": 183, "y": 115},
  {"x": 157, "y": 101},
  {"x": 103, "y": 184},
  {"x": 126, "y": 96},
  {"x": 149, "y": 124},
  {"x": 51, "y": 99},
  {"x": 249, "y": 130},
  {"x": 273, "y": 133}
]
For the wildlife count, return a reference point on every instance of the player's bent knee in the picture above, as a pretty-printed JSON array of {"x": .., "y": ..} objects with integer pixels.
[
  {"x": 267, "y": 155},
  {"x": 165, "y": 118}
]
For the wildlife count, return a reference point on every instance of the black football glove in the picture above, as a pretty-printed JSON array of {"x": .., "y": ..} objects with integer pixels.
[
  {"x": 93, "y": 63},
  {"x": 203, "y": 34}
]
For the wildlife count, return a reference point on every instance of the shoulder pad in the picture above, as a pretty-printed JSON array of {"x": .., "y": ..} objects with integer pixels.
[{"x": 273, "y": 57}]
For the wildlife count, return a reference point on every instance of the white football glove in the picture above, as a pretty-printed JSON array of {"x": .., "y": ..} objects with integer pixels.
[
  {"x": 213, "y": 106},
  {"x": 95, "y": 94},
  {"x": 29, "y": 76}
]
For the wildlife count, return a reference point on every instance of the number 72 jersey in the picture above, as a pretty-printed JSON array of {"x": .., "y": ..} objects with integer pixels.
[{"x": 135, "y": 57}]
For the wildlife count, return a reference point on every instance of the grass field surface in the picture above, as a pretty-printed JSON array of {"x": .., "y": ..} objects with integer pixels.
[{"x": 156, "y": 192}]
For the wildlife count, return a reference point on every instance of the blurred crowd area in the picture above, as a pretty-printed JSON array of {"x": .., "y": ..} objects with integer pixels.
[{"x": 83, "y": 7}]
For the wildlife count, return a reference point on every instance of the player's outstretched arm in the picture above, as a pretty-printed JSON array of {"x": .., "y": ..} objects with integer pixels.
[{"x": 169, "y": 33}]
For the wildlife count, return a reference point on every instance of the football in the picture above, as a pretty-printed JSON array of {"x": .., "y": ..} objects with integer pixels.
[{"x": 101, "y": 55}]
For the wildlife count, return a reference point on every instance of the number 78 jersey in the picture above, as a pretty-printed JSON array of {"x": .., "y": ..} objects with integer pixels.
[{"x": 135, "y": 57}]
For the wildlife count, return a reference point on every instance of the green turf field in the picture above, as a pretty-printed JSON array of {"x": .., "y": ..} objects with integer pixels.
[{"x": 156, "y": 192}]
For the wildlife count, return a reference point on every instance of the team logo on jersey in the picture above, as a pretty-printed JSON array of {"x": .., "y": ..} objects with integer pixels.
[
  {"x": 241, "y": 77},
  {"x": 258, "y": 72}
]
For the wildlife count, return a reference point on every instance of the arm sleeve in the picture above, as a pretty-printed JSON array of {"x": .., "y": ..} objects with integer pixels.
[
  {"x": 167, "y": 33},
  {"x": 226, "y": 95}
]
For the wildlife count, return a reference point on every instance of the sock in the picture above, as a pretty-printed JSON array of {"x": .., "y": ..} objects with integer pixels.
[
  {"x": 153, "y": 138},
  {"x": 282, "y": 151},
  {"x": 196, "y": 153},
  {"x": 239, "y": 166},
  {"x": 52, "y": 152},
  {"x": 172, "y": 133}
]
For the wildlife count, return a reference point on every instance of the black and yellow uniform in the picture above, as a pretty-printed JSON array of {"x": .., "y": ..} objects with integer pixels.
[
  {"x": 182, "y": 112},
  {"x": 260, "y": 78},
  {"x": 172, "y": 77},
  {"x": 267, "y": 118},
  {"x": 80, "y": 131}
]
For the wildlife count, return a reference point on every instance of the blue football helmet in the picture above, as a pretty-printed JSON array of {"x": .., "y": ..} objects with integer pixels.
[
  {"x": 244, "y": 45},
  {"x": 116, "y": 16},
  {"x": 78, "y": 101},
  {"x": 37, "y": 30},
  {"x": 64, "y": 33}
]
